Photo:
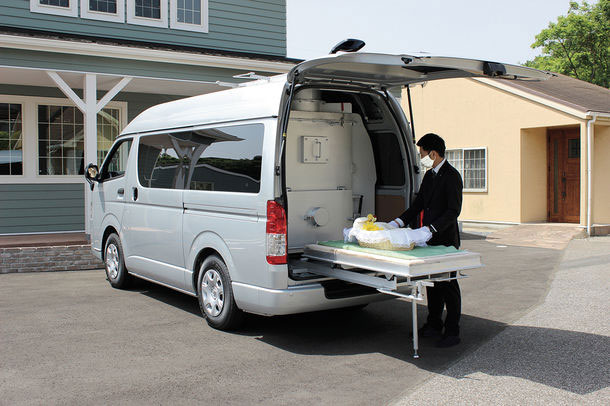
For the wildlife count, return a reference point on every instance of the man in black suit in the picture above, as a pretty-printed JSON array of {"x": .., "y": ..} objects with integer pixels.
[{"x": 440, "y": 198}]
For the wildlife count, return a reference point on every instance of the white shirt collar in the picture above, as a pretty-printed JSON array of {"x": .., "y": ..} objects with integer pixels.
[{"x": 438, "y": 167}]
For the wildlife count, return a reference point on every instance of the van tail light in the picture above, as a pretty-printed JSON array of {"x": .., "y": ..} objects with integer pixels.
[{"x": 276, "y": 233}]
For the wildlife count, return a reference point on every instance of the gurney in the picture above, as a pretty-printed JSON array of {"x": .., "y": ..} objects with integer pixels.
[{"x": 398, "y": 273}]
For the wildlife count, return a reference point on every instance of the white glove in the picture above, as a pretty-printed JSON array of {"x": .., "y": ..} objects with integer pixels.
[
  {"x": 393, "y": 224},
  {"x": 424, "y": 233}
]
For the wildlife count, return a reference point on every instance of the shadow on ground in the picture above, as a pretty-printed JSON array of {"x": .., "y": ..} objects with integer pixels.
[
  {"x": 547, "y": 356},
  {"x": 569, "y": 360},
  {"x": 469, "y": 236}
]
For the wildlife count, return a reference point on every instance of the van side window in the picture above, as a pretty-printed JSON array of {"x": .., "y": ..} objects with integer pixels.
[
  {"x": 221, "y": 159},
  {"x": 162, "y": 162},
  {"x": 388, "y": 159},
  {"x": 230, "y": 159},
  {"x": 116, "y": 163}
]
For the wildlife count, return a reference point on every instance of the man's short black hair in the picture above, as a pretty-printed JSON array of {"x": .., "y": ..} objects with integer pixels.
[{"x": 432, "y": 142}]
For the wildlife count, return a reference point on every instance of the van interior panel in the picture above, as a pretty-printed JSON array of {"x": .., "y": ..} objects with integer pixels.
[
  {"x": 388, "y": 207},
  {"x": 342, "y": 155}
]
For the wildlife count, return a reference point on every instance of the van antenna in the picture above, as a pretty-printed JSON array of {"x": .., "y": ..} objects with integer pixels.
[{"x": 252, "y": 75}]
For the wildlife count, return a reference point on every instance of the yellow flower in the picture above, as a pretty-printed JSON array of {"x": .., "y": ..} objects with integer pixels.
[{"x": 369, "y": 224}]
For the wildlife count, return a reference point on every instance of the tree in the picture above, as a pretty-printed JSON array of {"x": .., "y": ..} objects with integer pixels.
[{"x": 578, "y": 44}]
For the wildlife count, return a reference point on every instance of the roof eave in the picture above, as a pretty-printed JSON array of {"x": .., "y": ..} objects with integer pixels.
[
  {"x": 538, "y": 97},
  {"x": 71, "y": 46}
]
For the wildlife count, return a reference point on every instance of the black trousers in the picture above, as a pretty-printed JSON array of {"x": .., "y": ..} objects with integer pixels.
[{"x": 441, "y": 295}]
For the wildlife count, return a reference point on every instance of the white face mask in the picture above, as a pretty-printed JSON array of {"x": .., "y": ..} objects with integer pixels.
[{"x": 427, "y": 162}]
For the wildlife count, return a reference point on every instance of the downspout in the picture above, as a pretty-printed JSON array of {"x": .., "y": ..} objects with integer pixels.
[{"x": 589, "y": 169}]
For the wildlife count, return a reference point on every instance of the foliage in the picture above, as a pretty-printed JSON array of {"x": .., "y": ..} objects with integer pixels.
[{"x": 578, "y": 44}]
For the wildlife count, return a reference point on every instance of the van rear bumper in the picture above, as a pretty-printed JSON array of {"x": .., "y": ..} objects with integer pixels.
[{"x": 295, "y": 299}]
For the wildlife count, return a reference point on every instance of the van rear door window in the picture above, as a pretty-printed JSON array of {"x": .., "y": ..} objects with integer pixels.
[{"x": 224, "y": 159}]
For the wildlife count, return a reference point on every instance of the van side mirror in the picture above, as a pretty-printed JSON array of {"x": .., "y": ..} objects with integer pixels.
[{"x": 91, "y": 175}]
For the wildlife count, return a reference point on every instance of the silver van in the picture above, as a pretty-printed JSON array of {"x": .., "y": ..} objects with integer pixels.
[{"x": 219, "y": 196}]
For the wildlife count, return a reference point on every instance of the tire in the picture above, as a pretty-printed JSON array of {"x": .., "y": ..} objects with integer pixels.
[
  {"x": 114, "y": 263},
  {"x": 215, "y": 295}
]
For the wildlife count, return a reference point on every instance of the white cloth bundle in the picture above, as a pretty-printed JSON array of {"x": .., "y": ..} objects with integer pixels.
[{"x": 386, "y": 238}]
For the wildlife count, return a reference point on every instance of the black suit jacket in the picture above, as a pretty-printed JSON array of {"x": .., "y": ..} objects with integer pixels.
[{"x": 440, "y": 197}]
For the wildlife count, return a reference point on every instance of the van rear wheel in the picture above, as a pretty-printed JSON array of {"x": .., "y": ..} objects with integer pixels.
[
  {"x": 215, "y": 295},
  {"x": 114, "y": 263}
]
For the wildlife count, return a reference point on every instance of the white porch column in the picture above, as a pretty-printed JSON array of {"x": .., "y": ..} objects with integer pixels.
[
  {"x": 90, "y": 116},
  {"x": 89, "y": 107},
  {"x": 90, "y": 142}
]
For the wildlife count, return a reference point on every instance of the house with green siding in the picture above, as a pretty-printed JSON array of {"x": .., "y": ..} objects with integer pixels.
[{"x": 73, "y": 73}]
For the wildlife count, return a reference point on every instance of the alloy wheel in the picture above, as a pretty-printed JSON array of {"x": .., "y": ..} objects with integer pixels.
[
  {"x": 213, "y": 293},
  {"x": 112, "y": 261}
]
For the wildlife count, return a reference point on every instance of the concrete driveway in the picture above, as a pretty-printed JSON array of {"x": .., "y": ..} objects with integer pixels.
[
  {"x": 556, "y": 354},
  {"x": 68, "y": 337}
]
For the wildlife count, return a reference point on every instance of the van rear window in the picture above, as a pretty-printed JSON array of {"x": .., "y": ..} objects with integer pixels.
[{"x": 226, "y": 159}]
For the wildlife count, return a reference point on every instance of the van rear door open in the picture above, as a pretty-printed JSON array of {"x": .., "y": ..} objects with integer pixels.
[{"x": 383, "y": 70}]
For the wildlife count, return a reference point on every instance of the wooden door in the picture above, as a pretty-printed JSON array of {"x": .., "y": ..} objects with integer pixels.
[{"x": 564, "y": 175}]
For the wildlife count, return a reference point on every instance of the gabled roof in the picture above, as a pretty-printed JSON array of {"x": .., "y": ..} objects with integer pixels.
[{"x": 576, "y": 94}]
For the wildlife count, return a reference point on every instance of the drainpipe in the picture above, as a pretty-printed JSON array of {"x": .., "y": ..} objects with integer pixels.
[{"x": 589, "y": 169}]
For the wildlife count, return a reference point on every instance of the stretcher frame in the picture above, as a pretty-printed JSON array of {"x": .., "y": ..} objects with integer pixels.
[{"x": 404, "y": 278}]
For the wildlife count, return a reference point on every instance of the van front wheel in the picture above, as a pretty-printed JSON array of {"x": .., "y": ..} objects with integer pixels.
[
  {"x": 114, "y": 263},
  {"x": 216, "y": 295}
]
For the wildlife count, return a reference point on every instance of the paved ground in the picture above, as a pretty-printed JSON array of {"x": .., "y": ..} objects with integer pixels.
[
  {"x": 557, "y": 354},
  {"x": 552, "y": 236},
  {"x": 70, "y": 338}
]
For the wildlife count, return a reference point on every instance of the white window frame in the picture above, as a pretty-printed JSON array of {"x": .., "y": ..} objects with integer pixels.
[
  {"x": 151, "y": 22},
  {"x": 29, "y": 120},
  {"x": 175, "y": 24},
  {"x": 118, "y": 17},
  {"x": 72, "y": 11},
  {"x": 476, "y": 190},
  {"x": 20, "y": 177}
]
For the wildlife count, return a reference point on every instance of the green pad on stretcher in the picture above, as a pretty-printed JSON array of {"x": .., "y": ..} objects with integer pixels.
[{"x": 417, "y": 252}]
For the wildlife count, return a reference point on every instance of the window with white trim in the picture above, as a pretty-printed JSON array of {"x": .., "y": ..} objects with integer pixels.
[
  {"x": 105, "y": 10},
  {"x": 472, "y": 165},
  {"x": 61, "y": 138},
  {"x": 190, "y": 15},
  {"x": 147, "y": 12},
  {"x": 57, "y": 7},
  {"x": 11, "y": 139}
]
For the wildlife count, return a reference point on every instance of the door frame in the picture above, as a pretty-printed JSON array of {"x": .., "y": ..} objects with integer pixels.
[{"x": 562, "y": 216}]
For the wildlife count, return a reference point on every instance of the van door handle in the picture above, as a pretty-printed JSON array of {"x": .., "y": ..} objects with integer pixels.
[
  {"x": 135, "y": 194},
  {"x": 120, "y": 192}
]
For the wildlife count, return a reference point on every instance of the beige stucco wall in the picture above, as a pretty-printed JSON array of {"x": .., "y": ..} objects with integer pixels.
[
  {"x": 469, "y": 113},
  {"x": 600, "y": 205},
  {"x": 533, "y": 175}
]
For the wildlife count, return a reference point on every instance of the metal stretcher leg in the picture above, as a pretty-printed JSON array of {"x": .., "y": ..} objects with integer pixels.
[
  {"x": 414, "y": 297},
  {"x": 415, "y": 333}
]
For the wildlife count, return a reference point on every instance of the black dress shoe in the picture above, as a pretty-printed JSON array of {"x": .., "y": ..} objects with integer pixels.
[
  {"x": 448, "y": 341},
  {"x": 428, "y": 331}
]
